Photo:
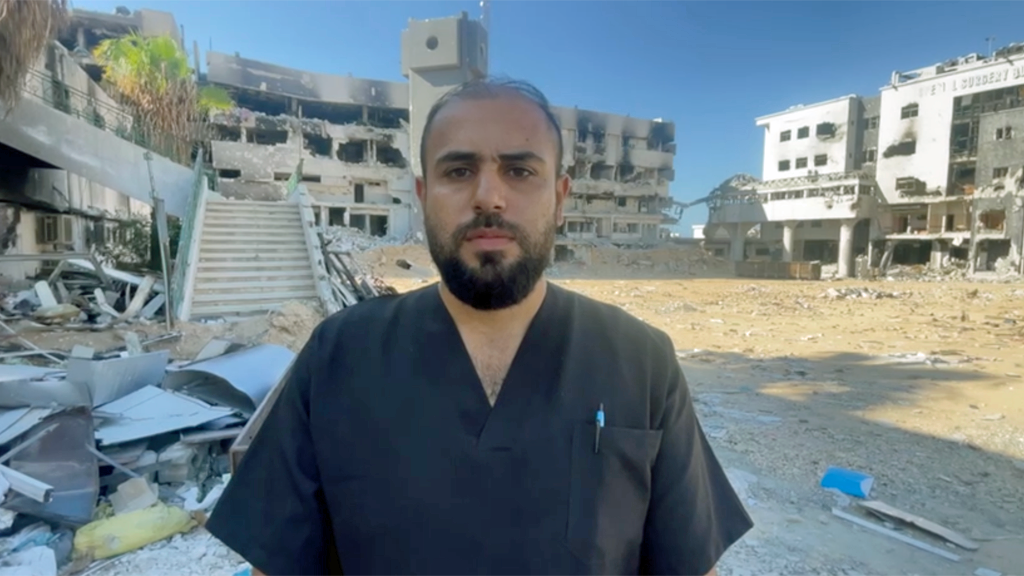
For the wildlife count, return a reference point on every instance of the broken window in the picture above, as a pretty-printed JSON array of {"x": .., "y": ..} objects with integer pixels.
[
  {"x": 266, "y": 137},
  {"x": 354, "y": 152},
  {"x": 626, "y": 172},
  {"x": 357, "y": 221},
  {"x": 783, "y": 165},
  {"x": 229, "y": 173},
  {"x": 311, "y": 178},
  {"x": 389, "y": 155},
  {"x": 378, "y": 225},
  {"x": 801, "y": 162},
  {"x": 905, "y": 148},
  {"x": 803, "y": 132},
  {"x": 785, "y": 136},
  {"x": 871, "y": 155},
  {"x": 360, "y": 193},
  {"x": 282, "y": 176},
  {"x": 909, "y": 111},
  {"x": 825, "y": 130},
  {"x": 871, "y": 123},
  {"x": 950, "y": 222},
  {"x": 336, "y": 216},
  {"x": 821, "y": 160},
  {"x": 992, "y": 220},
  {"x": 620, "y": 202},
  {"x": 1001, "y": 172},
  {"x": 602, "y": 172},
  {"x": 318, "y": 145},
  {"x": 1004, "y": 133}
]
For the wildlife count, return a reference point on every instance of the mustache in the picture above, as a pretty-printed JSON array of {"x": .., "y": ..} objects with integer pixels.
[{"x": 487, "y": 220}]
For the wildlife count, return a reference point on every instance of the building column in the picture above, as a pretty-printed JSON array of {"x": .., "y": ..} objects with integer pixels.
[
  {"x": 939, "y": 252},
  {"x": 738, "y": 242},
  {"x": 846, "y": 248},
  {"x": 788, "y": 239}
]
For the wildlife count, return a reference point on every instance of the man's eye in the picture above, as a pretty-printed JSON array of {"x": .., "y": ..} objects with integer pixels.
[
  {"x": 458, "y": 173},
  {"x": 520, "y": 172}
]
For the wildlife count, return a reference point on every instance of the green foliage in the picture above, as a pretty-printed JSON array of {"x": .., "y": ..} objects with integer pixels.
[{"x": 152, "y": 78}]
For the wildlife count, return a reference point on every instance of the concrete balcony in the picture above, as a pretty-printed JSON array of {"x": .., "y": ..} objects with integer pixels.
[
  {"x": 830, "y": 197},
  {"x": 649, "y": 158}
]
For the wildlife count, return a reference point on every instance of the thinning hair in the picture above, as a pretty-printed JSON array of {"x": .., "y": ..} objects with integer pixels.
[{"x": 485, "y": 88}]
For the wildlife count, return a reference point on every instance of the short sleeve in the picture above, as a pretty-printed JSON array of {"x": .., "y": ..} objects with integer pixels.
[
  {"x": 272, "y": 512},
  {"x": 694, "y": 514}
]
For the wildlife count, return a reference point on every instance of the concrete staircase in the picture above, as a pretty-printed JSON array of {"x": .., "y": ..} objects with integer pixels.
[{"x": 252, "y": 257}]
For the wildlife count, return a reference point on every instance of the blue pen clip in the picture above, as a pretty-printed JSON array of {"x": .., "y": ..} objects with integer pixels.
[{"x": 598, "y": 424}]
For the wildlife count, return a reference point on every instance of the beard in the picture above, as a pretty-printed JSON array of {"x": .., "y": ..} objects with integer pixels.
[{"x": 496, "y": 282}]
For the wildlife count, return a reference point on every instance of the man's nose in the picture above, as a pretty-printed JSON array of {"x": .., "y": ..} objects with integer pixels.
[{"x": 490, "y": 192}]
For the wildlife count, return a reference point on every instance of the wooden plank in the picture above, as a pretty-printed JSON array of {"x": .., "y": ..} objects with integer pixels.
[
  {"x": 947, "y": 534},
  {"x": 893, "y": 534}
]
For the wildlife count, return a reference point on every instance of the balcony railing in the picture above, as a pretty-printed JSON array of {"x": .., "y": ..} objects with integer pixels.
[{"x": 62, "y": 97}]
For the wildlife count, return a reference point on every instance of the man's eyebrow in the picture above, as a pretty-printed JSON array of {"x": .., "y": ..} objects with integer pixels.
[
  {"x": 455, "y": 156},
  {"x": 524, "y": 156},
  {"x": 462, "y": 156}
]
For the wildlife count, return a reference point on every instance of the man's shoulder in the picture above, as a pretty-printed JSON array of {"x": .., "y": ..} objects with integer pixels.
[{"x": 374, "y": 316}]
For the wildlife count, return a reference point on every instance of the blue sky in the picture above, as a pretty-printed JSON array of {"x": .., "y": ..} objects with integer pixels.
[{"x": 711, "y": 67}]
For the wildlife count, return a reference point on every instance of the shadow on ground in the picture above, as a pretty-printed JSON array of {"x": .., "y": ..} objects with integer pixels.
[{"x": 793, "y": 417}]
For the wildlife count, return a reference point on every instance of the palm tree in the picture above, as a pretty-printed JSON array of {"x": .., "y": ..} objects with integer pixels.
[
  {"x": 152, "y": 77},
  {"x": 25, "y": 28}
]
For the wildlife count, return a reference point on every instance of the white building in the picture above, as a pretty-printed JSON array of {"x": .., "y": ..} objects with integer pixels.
[{"x": 893, "y": 174}]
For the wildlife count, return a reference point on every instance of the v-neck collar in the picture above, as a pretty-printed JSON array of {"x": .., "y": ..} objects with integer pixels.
[{"x": 534, "y": 373}]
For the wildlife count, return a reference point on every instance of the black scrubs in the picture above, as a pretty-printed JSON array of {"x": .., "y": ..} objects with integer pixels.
[{"x": 383, "y": 446}]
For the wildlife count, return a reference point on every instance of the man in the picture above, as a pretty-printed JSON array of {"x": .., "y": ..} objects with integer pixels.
[{"x": 493, "y": 423}]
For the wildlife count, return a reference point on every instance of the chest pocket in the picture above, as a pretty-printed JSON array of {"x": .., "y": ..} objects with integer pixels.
[{"x": 609, "y": 494}]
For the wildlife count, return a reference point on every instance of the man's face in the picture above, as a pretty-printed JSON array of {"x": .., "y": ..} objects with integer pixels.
[{"x": 492, "y": 198}]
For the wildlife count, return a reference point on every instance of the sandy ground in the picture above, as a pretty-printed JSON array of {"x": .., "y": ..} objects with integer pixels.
[{"x": 916, "y": 383}]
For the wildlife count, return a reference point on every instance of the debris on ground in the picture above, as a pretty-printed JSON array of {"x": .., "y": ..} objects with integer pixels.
[
  {"x": 117, "y": 451},
  {"x": 350, "y": 283},
  {"x": 852, "y": 293}
]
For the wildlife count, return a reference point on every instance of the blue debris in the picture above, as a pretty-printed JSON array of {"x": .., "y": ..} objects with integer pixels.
[{"x": 848, "y": 482}]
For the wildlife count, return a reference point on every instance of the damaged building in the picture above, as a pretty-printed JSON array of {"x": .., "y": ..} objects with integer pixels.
[
  {"x": 621, "y": 168},
  {"x": 357, "y": 143},
  {"x": 48, "y": 210},
  {"x": 894, "y": 177},
  {"x": 350, "y": 133}
]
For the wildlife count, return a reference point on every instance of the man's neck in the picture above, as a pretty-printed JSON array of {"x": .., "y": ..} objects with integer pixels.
[{"x": 466, "y": 316}]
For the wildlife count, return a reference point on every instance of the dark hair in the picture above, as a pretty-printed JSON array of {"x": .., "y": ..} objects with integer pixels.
[{"x": 493, "y": 88}]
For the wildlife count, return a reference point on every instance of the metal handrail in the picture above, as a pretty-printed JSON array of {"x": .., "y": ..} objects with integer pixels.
[
  {"x": 184, "y": 258},
  {"x": 62, "y": 97}
]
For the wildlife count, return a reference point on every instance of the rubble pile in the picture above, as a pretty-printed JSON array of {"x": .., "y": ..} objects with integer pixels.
[
  {"x": 107, "y": 453},
  {"x": 343, "y": 239},
  {"x": 951, "y": 270},
  {"x": 863, "y": 293},
  {"x": 350, "y": 283},
  {"x": 665, "y": 259},
  {"x": 82, "y": 294}
]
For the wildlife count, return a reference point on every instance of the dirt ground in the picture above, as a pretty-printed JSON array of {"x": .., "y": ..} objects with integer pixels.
[{"x": 916, "y": 383}]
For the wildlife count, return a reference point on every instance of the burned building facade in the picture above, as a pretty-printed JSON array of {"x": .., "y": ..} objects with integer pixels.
[
  {"x": 911, "y": 166},
  {"x": 621, "y": 168},
  {"x": 351, "y": 135},
  {"x": 358, "y": 140}
]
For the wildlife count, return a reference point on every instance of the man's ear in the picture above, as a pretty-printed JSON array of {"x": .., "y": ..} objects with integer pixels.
[
  {"x": 421, "y": 189},
  {"x": 563, "y": 186}
]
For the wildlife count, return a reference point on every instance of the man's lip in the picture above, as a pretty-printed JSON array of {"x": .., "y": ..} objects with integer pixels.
[{"x": 488, "y": 234}]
